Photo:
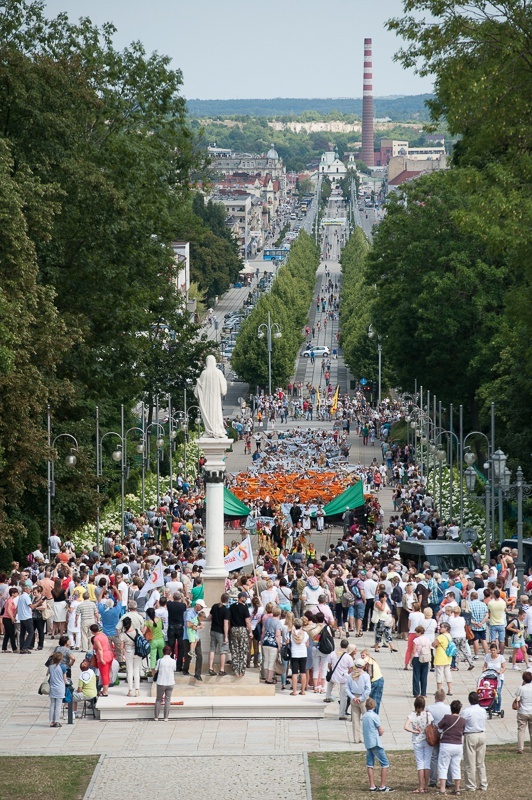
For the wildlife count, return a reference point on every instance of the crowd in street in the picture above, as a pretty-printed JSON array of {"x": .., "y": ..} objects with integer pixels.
[{"x": 295, "y": 620}]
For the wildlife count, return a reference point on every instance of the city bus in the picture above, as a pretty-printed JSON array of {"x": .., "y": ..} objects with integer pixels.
[{"x": 275, "y": 253}]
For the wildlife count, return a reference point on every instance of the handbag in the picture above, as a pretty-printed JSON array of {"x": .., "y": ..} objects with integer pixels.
[
  {"x": 516, "y": 703},
  {"x": 286, "y": 651},
  {"x": 469, "y": 633},
  {"x": 46, "y": 612},
  {"x": 432, "y": 735},
  {"x": 44, "y": 688},
  {"x": 149, "y": 634},
  {"x": 278, "y": 666}
]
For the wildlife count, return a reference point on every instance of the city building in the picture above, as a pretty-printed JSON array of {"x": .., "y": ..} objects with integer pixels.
[
  {"x": 331, "y": 166},
  {"x": 392, "y": 148},
  {"x": 230, "y": 163},
  {"x": 402, "y": 169}
]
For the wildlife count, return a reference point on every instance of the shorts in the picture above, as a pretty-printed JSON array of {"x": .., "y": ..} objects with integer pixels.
[
  {"x": 378, "y": 753},
  {"x": 480, "y": 636},
  {"x": 443, "y": 673},
  {"x": 217, "y": 642},
  {"x": 299, "y": 665},
  {"x": 498, "y": 633},
  {"x": 357, "y": 611}
]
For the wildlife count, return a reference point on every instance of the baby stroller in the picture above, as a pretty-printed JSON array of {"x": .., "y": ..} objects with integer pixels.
[{"x": 488, "y": 690}]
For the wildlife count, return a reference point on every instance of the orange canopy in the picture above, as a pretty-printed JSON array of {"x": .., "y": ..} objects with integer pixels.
[{"x": 310, "y": 486}]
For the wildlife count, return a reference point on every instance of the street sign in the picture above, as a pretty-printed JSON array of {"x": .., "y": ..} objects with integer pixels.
[
  {"x": 362, "y": 381},
  {"x": 469, "y": 535}
]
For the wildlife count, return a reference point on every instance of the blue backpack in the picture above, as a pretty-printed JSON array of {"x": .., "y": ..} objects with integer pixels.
[{"x": 451, "y": 650}]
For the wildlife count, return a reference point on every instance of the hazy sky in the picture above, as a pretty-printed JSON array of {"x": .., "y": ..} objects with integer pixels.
[{"x": 274, "y": 48}]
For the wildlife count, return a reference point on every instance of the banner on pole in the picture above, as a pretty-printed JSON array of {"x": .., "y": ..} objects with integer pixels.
[
  {"x": 155, "y": 580},
  {"x": 241, "y": 556}
]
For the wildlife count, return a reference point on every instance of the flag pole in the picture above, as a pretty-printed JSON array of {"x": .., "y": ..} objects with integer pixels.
[{"x": 253, "y": 566}]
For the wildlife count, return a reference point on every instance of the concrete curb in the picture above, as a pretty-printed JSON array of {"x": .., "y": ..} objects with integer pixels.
[
  {"x": 94, "y": 776},
  {"x": 307, "y": 776}
]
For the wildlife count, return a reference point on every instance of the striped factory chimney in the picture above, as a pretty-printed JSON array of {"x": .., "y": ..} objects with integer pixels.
[{"x": 367, "y": 108}]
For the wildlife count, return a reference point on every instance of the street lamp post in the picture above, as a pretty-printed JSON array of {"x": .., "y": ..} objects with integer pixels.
[
  {"x": 519, "y": 490},
  {"x": 119, "y": 456},
  {"x": 266, "y": 329},
  {"x": 500, "y": 474},
  {"x": 70, "y": 461},
  {"x": 371, "y": 334}
]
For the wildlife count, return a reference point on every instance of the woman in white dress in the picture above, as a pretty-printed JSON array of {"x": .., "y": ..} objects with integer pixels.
[{"x": 74, "y": 624}]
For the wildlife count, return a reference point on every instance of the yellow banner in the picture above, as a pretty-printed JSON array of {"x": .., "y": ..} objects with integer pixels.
[{"x": 334, "y": 406}]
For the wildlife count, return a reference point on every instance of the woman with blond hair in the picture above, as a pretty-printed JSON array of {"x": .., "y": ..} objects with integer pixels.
[{"x": 287, "y": 619}]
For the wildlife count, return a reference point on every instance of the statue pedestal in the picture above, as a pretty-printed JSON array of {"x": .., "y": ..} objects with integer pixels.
[{"x": 214, "y": 573}]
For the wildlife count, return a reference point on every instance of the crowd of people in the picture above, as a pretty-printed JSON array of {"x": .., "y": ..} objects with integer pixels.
[{"x": 296, "y": 618}]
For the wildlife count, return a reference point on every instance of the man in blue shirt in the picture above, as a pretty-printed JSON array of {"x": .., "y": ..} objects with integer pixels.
[
  {"x": 372, "y": 732},
  {"x": 110, "y": 612},
  {"x": 25, "y": 616}
]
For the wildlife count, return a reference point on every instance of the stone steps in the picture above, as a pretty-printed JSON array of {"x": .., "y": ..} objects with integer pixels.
[{"x": 280, "y": 706}]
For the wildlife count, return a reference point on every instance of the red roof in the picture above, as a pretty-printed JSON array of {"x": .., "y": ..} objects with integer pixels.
[{"x": 405, "y": 175}]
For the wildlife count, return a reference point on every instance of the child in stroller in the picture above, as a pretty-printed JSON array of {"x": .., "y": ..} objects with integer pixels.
[{"x": 488, "y": 690}]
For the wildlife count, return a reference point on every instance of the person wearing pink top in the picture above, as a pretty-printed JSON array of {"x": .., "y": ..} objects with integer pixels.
[{"x": 420, "y": 661}]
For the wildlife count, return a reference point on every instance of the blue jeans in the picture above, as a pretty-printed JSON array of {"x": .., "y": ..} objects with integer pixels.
[
  {"x": 419, "y": 677},
  {"x": 377, "y": 688}
]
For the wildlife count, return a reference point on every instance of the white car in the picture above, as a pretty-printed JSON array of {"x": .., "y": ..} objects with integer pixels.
[{"x": 321, "y": 350}]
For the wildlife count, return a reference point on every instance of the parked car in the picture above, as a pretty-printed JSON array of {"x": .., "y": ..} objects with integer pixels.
[{"x": 320, "y": 350}]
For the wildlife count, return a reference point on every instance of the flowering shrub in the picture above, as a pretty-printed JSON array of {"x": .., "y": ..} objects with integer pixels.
[{"x": 110, "y": 514}]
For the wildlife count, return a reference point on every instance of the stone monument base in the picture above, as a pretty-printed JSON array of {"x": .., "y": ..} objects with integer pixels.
[
  {"x": 214, "y": 588},
  {"x": 227, "y": 686}
]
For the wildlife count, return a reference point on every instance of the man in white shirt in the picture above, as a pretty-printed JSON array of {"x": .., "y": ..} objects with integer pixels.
[
  {"x": 55, "y": 544},
  {"x": 341, "y": 664},
  {"x": 453, "y": 532},
  {"x": 123, "y": 589},
  {"x": 370, "y": 588},
  {"x": 438, "y": 710},
  {"x": 174, "y": 585},
  {"x": 475, "y": 745},
  {"x": 38, "y": 554}
]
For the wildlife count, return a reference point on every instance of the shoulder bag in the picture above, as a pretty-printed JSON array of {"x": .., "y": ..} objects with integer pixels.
[
  {"x": 330, "y": 672},
  {"x": 516, "y": 703},
  {"x": 432, "y": 733},
  {"x": 149, "y": 633}
]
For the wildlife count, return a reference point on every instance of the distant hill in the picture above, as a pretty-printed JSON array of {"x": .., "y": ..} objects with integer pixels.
[{"x": 401, "y": 109}]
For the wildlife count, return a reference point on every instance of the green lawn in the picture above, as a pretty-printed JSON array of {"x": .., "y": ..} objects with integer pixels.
[
  {"x": 342, "y": 776},
  {"x": 45, "y": 777}
]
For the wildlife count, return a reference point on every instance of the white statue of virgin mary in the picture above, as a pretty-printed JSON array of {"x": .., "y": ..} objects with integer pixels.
[{"x": 209, "y": 390}]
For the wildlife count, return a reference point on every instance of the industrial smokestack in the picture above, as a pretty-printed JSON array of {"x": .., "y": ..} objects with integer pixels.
[{"x": 367, "y": 107}]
